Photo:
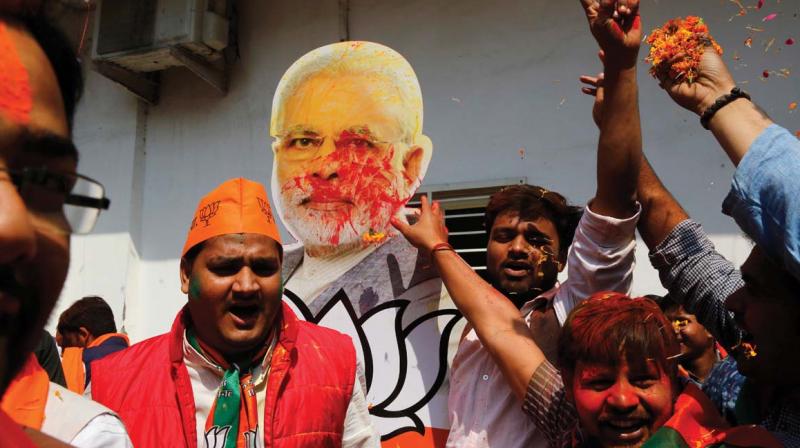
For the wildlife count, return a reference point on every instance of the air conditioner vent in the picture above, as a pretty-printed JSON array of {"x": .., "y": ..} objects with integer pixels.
[
  {"x": 126, "y": 25},
  {"x": 136, "y": 37}
]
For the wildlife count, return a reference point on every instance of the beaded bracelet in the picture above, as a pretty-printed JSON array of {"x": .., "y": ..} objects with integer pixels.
[{"x": 721, "y": 102}]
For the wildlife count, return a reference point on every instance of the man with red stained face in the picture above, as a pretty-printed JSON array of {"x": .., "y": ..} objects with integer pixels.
[
  {"x": 617, "y": 360},
  {"x": 349, "y": 152}
]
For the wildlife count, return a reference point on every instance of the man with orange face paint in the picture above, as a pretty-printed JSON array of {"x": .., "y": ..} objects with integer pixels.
[
  {"x": 237, "y": 369},
  {"x": 40, "y": 83}
]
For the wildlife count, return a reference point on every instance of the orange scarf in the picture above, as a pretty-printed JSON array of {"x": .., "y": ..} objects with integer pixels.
[
  {"x": 72, "y": 362},
  {"x": 26, "y": 397}
]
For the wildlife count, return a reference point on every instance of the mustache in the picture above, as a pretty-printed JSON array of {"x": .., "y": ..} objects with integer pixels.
[
  {"x": 517, "y": 263},
  {"x": 640, "y": 416}
]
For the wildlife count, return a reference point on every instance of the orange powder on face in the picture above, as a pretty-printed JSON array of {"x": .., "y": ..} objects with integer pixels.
[{"x": 16, "y": 100}]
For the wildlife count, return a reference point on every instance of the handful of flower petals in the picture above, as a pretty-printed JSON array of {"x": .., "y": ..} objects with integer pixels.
[{"x": 676, "y": 48}]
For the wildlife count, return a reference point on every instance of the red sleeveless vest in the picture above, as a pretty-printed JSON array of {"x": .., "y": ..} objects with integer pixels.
[{"x": 308, "y": 390}]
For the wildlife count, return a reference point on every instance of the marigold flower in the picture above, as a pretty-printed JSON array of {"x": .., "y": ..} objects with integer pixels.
[
  {"x": 686, "y": 37},
  {"x": 749, "y": 350},
  {"x": 373, "y": 237}
]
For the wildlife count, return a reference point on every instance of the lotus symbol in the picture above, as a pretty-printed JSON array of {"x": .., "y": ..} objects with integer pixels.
[
  {"x": 404, "y": 352},
  {"x": 215, "y": 436}
]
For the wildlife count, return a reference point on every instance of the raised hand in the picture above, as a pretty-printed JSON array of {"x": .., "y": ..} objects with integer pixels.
[
  {"x": 596, "y": 90},
  {"x": 428, "y": 231},
  {"x": 713, "y": 80},
  {"x": 617, "y": 27}
]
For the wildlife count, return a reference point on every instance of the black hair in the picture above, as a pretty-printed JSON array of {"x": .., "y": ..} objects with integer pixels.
[
  {"x": 90, "y": 312},
  {"x": 531, "y": 202},
  {"x": 665, "y": 302},
  {"x": 192, "y": 253}
]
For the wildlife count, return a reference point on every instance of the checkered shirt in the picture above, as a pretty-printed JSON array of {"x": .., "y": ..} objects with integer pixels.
[
  {"x": 547, "y": 406},
  {"x": 699, "y": 278}
]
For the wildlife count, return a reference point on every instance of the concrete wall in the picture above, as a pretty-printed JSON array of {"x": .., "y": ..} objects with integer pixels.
[{"x": 496, "y": 77}]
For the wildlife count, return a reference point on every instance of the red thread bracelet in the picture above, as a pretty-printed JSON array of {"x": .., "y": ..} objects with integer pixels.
[{"x": 441, "y": 246}]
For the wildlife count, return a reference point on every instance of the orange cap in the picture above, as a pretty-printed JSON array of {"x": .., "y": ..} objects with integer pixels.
[{"x": 235, "y": 206}]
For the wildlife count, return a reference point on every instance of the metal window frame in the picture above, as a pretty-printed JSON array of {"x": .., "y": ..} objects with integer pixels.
[{"x": 454, "y": 202}]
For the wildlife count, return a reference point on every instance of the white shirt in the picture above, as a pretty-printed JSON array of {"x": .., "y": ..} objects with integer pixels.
[
  {"x": 205, "y": 378},
  {"x": 82, "y": 422},
  {"x": 483, "y": 410},
  {"x": 314, "y": 274}
]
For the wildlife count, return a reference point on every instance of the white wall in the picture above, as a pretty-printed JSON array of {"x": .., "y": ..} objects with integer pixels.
[{"x": 496, "y": 77}]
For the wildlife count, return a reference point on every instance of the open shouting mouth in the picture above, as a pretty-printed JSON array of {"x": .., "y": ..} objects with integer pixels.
[
  {"x": 517, "y": 268},
  {"x": 244, "y": 315}
]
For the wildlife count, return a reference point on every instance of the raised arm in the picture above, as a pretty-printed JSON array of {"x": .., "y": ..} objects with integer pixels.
[
  {"x": 497, "y": 322},
  {"x": 617, "y": 28},
  {"x": 691, "y": 269},
  {"x": 660, "y": 211},
  {"x": 765, "y": 195},
  {"x": 695, "y": 274}
]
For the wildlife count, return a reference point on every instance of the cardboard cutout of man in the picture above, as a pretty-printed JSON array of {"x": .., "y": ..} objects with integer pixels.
[{"x": 349, "y": 153}]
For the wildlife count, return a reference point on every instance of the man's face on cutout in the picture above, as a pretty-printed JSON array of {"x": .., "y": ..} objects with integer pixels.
[
  {"x": 234, "y": 289},
  {"x": 343, "y": 163},
  {"x": 768, "y": 310},
  {"x": 521, "y": 254},
  {"x": 34, "y": 234},
  {"x": 623, "y": 405}
]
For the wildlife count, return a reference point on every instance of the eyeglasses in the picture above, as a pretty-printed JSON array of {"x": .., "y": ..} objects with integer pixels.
[{"x": 70, "y": 201}]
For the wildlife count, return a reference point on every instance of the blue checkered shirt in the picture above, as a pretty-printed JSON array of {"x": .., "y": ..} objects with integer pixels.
[{"x": 700, "y": 278}]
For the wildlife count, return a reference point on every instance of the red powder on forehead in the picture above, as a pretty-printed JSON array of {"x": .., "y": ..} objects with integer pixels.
[
  {"x": 607, "y": 326},
  {"x": 16, "y": 100}
]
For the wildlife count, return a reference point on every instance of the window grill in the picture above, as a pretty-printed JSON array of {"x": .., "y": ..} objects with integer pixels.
[{"x": 464, "y": 207}]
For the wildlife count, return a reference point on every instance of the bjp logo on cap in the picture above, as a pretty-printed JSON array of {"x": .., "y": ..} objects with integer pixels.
[{"x": 235, "y": 206}]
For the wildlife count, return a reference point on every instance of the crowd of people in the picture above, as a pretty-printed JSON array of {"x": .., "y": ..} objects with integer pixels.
[{"x": 572, "y": 363}]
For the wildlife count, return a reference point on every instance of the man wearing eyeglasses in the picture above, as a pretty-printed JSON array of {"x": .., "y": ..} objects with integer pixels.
[{"x": 42, "y": 201}]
